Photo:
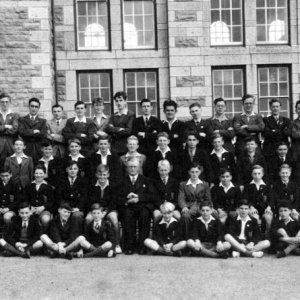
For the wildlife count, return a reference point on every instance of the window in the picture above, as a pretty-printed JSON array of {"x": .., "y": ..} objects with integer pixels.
[
  {"x": 138, "y": 24},
  {"x": 272, "y": 21},
  {"x": 92, "y": 25},
  {"x": 140, "y": 85},
  {"x": 226, "y": 22},
  {"x": 273, "y": 82},
  {"x": 229, "y": 84},
  {"x": 92, "y": 85}
]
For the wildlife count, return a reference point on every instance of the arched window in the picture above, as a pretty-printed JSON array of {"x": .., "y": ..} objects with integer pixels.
[
  {"x": 130, "y": 36},
  {"x": 94, "y": 36},
  {"x": 219, "y": 33},
  {"x": 277, "y": 31}
]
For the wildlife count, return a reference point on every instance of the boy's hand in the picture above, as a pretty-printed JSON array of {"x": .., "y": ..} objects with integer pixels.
[
  {"x": 250, "y": 246},
  {"x": 202, "y": 134},
  {"x": 36, "y": 131},
  {"x": 268, "y": 210},
  {"x": 132, "y": 195},
  {"x": 242, "y": 188},
  {"x": 39, "y": 209},
  {"x": 220, "y": 247},
  {"x": 75, "y": 209},
  {"x": 33, "y": 209},
  {"x": 294, "y": 213}
]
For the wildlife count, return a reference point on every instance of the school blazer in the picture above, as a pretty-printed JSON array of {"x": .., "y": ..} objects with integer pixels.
[
  {"x": 55, "y": 171},
  {"x": 21, "y": 175},
  {"x": 9, "y": 196},
  {"x": 52, "y": 127},
  {"x": 252, "y": 231},
  {"x": 226, "y": 201},
  {"x": 26, "y": 127},
  {"x": 177, "y": 128},
  {"x": 192, "y": 198},
  {"x": 13, "y": 234},
  {"x": 67, "y": 233},
  {"x": 143, "y": 187},
  {"x": 275, "y": 133},
  {"x": 104, "y": 234}
]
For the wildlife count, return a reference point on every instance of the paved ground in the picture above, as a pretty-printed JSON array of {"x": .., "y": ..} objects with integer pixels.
[{"x": 147, "y": 277}]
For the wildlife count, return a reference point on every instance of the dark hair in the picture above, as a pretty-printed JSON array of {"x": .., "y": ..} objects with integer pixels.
[
  {"x": 216, "y": 135},
  {"x": 206, "y": 203},
  {"x": 5, "y": 169},
  {"x": 145, "y": 101},
  {"x": 250, "y": 139},
  {"x": 5, "y": 95},
  {"x": 34, "y": 100},
  {"x": 193, "y": 133},
  {"x": 102, "y": 168},
  {"x": 19, "y": 139},
  {"x": 97, "y": 206},
  {"x": 195, "y": 105},
  {"x": 282, "y": 143},
  {"x": 170, "y": 103},
  {"x": 120, "y": 94},
  {"x": 57, "y": 106},
  {"x": 77, "y": 141},
  {"x": 79, "y": 103},
  {"x": 65, "y": 205},
  {"x": 98, "y": 100},
  {"x": 195, "y": 165},
  {"x": 225, "y": 170},
  {"x": 46, "y": 143},
  {"x": 24, "y": 204},
  {"x": 40, "y": 167},
  {"x": 243, "y": 202},
  {"x": 247, "y": 96},
  {"x": 104, "y": 138},
  {"x": 71, "y": 163},
  {"x": 284, "y": 204},
  {"x": 274, "y": 100},
  {"x": 216, "y": 101},
  {"x": 297, "y": 103},
  {"x": 162, "y": 134}
]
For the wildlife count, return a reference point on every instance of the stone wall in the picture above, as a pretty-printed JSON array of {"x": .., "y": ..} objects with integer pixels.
[{"x": 26, "y": 53}]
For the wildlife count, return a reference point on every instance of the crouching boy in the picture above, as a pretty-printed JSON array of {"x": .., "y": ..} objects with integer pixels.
[
  {"x": 244, "y": 235},
  {"x": 207, "y": 237},
  {"x": 287, "y": 231},
  {"x": 167, "y": 234},
  {"x": 23, "y": 234},
  {"x": 62, "y": 232},
  {"x": 99, "y": 237}
]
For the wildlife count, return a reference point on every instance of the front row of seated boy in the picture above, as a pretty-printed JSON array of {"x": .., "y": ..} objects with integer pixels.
[{"x": 208, "y": 237}]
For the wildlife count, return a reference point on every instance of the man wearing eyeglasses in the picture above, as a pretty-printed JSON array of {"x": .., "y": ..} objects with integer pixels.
[
  {"x": 33, "y": 130},
  {"x": 247, "y": 124}
]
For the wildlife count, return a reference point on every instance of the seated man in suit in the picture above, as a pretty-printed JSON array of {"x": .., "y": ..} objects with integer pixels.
[
  {"x": 54, "y": 131},
  {"x": 135, "y": 203},
  {"x": 120, "y": 124},
  {"x": 33, "y": 130},
  {"x": 146, "y": 128},
  {"x": 81, "y": 128}
]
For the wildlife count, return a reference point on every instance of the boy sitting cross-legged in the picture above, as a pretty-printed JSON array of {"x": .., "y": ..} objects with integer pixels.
[
  {"x": 167, "y": 234},
  {"x": 244, "y": 235},
  {"x": 207, "y": 237}
]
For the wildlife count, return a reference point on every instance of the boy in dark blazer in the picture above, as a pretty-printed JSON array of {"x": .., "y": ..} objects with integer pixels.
[
  {"x": 81, "y": 128},
  {"x": 146, "y": 128},
  {"x": 167, "y": 234},
  {"x": 135, "y": 203},
  {"x": 33, "y": 130},
  {"x": 61, "y": 233},
  {"x": 207, "y": 236},
  {"x": 244, "y": 235},
  {"x": 23, "y": 234},
  {"x": 120, "y": 124}
]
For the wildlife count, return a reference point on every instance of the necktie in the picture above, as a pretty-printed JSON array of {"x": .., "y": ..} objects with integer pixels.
[
  {"x": 72, "y": 181},
  {"x": 63, "y": 223},
  {"x": 133, "y": 180},
  {"x": 24, "y": 225},
  {"x": 57, "y": 122},
  {"x": 146, "y": 121},
  {"x": 165, "y": 181},
  {"x": 197, "y": 123},
  {"x": 32, "y": 118},
  {"x": 97, "y": 226}
]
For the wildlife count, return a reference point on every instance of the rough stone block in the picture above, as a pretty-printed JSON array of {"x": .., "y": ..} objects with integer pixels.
[
  {"x": 58, "y": 15},
  {"x": 40, "y": 58},
  {"x": 190, "y": 81},
  {"x": 186, "y": 42},
  {"x": 38, "y": 13},
  {"x": 41, "y": 82},
  {"x": 185, "y": 16}
]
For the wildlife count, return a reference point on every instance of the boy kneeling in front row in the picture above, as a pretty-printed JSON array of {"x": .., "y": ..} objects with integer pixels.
[
  {"x": 23, "y": 234},
  {"x": 167, "y": 234},
  {"x": 244, "y": 235},
  {"x": 207, "y": 238}
]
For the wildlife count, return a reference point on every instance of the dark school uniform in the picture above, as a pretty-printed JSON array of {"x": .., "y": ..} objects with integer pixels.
[
  {"x": 82, "y": 162},
  {"x": 9, "y": 195},
  {"x": 176, "y": 134},
  {"x": 54, "y": 171}
]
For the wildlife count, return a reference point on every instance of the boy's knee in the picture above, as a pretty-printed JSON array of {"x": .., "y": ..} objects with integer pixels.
[
  {"x": 8, "y": 216},
  {"x": 227, "y": 237}
]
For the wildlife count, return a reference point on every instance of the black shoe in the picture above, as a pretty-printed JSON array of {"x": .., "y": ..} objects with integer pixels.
[
  {"x": 177, "y": 254},
  {"x": 224, "y": 255},
  {"x": 143, "y": 251},
  {"x": 54, "y": 255},
  {"x": 68, "y": 256},
  {"x": 128, "y": 252},
  {"x": 26, "y": 254},
  {"x": 280, "y": 254}
]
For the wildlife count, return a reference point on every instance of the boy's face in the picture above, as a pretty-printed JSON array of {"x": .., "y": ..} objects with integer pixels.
[
  {"x": 132, "y": 145},
  {"x": 146, "y": 108},
  {"x": 24, "y": 213},
  {"x": 284, "y": 213},
  {"x": 74, "y": 148},
  {"x": 298, "y": 110},
  {"x": 285, "y": 174},
  {"x": 167, "y": 215},
  {"x": 39, "y": 175},
  {"x": 243, "y": 211},
  {"x": 163, "y": 171},
  {"x": 282, "y": 150},
  {"x": 98, "y": 108},
  {"x": 225, "y": 178},
  {"x": 192, "y": 142},
  {"x": 251, "y": 146},
  {"x": 72, "y": 171},
  {"x": 34, "y": 108},
  {"x": 19, "y": 146},
  {"x": 80, "y": 110},
  {"x": 206, "y": 212},
  {"x": 195, "y": 112},
  {"x": 170, "y": 112},
  {"x": 57, "y": 113},
  {"x": 102, "y": 176},
  {"x": 132, "y": 168},
  {"x": 248, "y": 105},
  {"x": 275, "y": 108},
  {"x": 5, "y": 177},
  {"x": 194, "y": 173},
  {"x": 163, "y": 142},
  {"x": 218, "y": 143},
  {"x": 120, "y": 103},
  {"x": 64, "y": 214},
  {"x": 257, "y": 174},
  {"x": 47, "y": 151},
  {"x": 104, "y": 145},
  {"x": 4, "y": 104},
  {"x": 220, "y": 107},
  {"x": 98, "y": 215}
]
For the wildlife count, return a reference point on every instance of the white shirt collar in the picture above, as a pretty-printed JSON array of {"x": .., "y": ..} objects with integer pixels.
[
  {"x": 261, "y": 183},
  {"x": 22, "y": 156},
  {"x": 7, "y": 113},
  {"x": 171, "y": 122},
  {"x": 124, "y": 112},
  {"x": 247, "y": 219},
  {"x": 290, "y": 220},
  {"x": 76, "y": 157},
  {"x": 103, "y": 116},
  {"x": 189, "y": 182},
  {"x": 164, "y": 152},
  {"x": 227, "y": 188},
  {"x": 106, "y": 184},
  {"x": 222, "y": 152},
  {"x": 252, "y": 114},
  {"x": 136, "y": 155},
  {"x": 223, "y": 118},
  {"x": 83, "y": 120},
  {"x": 206, "y": 222},
  {"x": 171, "y": 221},
  {"x": 46, "y": 161},
  {"x": 108, "y": 153},
  {"x": 39, "y": 183}
]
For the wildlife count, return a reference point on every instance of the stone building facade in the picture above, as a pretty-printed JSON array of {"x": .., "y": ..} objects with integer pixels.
[{"x": 64, "y": 50}]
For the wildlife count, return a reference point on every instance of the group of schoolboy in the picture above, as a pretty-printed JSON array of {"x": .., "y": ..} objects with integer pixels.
[{"x": 216, "y": 188}]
